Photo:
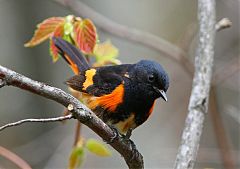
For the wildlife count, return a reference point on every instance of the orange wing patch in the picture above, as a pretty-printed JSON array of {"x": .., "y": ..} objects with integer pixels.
[
  {"x": 72, "y": 64},
  {"x": 109, "y": 101},
  {"x": 89, "y": 78}
]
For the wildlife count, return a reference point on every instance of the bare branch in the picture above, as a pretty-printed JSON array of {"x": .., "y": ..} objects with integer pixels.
[
  {"x": 77, "y": 134},
  {"x": 45, "y": 120},
  {"x": 198, "y": 104},
  {"x": 83, "y": 114},
  {"x": 223, "y": 24},
  {"x": 14, "y": 158}
]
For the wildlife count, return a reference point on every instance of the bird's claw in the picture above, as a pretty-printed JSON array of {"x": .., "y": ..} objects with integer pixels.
[
  {"x": 128, "y": 134},
  {"x": 116, "y": 134}
]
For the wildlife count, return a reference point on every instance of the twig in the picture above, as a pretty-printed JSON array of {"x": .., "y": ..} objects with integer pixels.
[
  {"x": 77, "y": 136},
  {"x": 76, "y": 94},
  {"x": 45, "y": 120},
  {"x": 14, "y": 158},
  {"x": 223, "y": 24},
  {"x": 83, "y": 114},
  {"x": 198, "y": 104}
]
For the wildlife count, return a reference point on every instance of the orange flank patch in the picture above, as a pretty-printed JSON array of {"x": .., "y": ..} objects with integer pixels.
[
  {"x": 109, "y": 101},
  {"x": 151, "y": 109},
  {"x": 89, "y": 78},
  {"x": 72, "y": 64},
  {"x": 124, "y": 126}
]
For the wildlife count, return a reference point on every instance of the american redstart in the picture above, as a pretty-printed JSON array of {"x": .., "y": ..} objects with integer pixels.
[{"x": 123, "y": 96}]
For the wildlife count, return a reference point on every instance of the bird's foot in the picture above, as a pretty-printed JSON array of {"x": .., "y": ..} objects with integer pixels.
[
  {"x": 116, "y": 135},
  {"x": 129, "y": 133}
]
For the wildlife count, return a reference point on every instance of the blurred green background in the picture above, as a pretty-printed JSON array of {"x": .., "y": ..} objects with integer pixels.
[{"x": 48, "y": 145}]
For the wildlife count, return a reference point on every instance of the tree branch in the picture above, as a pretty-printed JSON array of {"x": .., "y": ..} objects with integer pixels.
[
  {"x": 198, "y": 104},
  {"x": 223, "y": 24},
  {"x": 45, "y": 120},
  {"x": 79, "y": 111},
  {"x": 14, "y": 158}
]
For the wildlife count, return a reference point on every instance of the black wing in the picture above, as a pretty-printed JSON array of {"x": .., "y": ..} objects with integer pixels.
[
  {"x": 108, "y": 78},
  {"x": 105, "y": 80}
]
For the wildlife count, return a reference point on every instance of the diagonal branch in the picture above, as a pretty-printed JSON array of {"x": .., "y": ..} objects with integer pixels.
[
  {"x": 125, "y": 147},
  {"x": 198, "y": 104},
  {"x": 14, "y": 158}
]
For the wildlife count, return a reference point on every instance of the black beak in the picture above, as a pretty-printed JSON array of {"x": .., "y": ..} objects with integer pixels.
[
  {"x": 163, "y": 95},
  {"x": 161, "y": 92}
]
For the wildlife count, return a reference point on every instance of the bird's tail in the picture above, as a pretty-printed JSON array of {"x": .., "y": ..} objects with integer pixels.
[{"x": 71, "y": 55}]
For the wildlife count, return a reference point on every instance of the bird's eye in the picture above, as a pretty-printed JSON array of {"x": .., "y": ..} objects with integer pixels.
[{"x": 151, "y": 78}]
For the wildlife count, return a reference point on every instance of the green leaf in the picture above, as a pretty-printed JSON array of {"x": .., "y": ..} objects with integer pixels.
[
  {"x": 76, "y": 158},
  {"x": 68, "y": 26},
  {"x": 67, "y": 38},
  {"x": 97, "y": 148},
  {"x": 106, "y": 52}
]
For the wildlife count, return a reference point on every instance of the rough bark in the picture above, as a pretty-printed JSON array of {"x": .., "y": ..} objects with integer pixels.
[
  {"x": 125, "y": 147},
  {"x": 198, "y": 105}
]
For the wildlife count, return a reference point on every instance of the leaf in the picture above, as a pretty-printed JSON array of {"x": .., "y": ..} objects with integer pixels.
[
  {"x": 77, "y": 156},
  {"x": 85, "y": 35},
  {"x": 68, "y": 26},
  {"x": 106, "y": 53},
  {"x": 59, "y": 31},
  {"x": 97, "y": 148},
  {"x": 44, "y": 30}
]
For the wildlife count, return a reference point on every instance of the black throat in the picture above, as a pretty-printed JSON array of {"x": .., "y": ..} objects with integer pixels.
[{"x": 139, "y": 100}]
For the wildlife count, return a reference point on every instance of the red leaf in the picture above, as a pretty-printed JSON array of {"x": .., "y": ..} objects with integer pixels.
[
  {"x": 44, "y": 30},
  {"x": 85, "y": 35},
  {"x": 59, "y": 31}
]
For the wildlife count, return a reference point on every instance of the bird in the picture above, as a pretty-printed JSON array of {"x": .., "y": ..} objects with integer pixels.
[{"x": 123, "y": 96}]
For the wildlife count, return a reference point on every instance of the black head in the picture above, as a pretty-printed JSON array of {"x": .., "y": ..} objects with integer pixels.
[{"x": 153, "y": 77}]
